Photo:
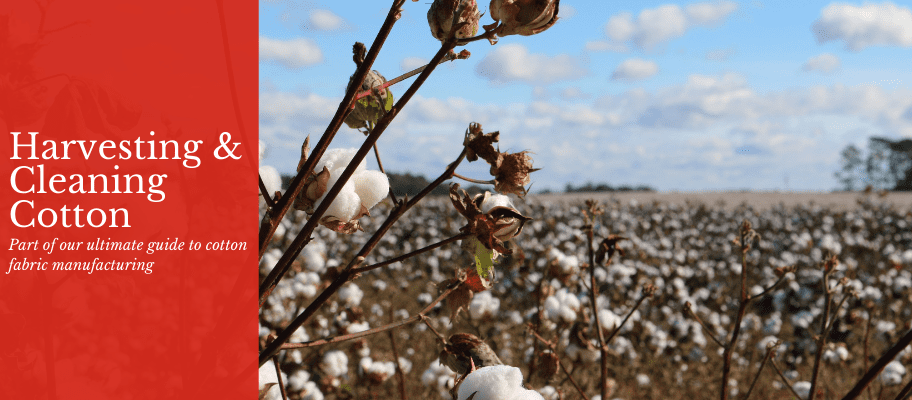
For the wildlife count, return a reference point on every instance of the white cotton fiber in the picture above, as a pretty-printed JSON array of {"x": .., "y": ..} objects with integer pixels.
[
  {"x": 371, "y": 187},
  {"x": 497, "y": 382},
  {"x": 346, "y": 204},
  {"x": 562, "y": 305},
  {"x": 609, "y": 320},
  {"x": 495, "y": 200},
  {"x": 338, "y": 159},
  {"x": 271, "y": 179},
  {"x": 267, "y": 376},
  {"x": 335, "y": 363},
  {"x": 262, "y": 150}
]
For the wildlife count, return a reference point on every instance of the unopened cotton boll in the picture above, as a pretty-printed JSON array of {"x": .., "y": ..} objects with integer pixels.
[{"x": 498, "y": 382}]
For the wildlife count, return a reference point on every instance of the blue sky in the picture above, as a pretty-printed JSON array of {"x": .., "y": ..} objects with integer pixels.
[{"x": 687, "y": 96}]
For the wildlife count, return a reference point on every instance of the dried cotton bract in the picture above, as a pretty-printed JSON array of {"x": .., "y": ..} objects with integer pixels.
[{"x": 524, "y": 17}]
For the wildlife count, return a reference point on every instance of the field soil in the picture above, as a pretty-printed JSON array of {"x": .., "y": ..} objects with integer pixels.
[{"x": 840, "y": 201}]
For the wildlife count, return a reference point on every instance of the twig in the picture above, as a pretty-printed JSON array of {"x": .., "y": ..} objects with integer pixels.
[
  {"x": 424, "y": 249},
  {"x": 480, "y": 182},
  {"x": 746, "y": 235},
  {"x": 614, "y": 333},
  {"x": 771, "y": 288},
  {"x": 384, "y": 328},
  {"x": 867, "y": 335},
  {"x": 825, "y": 325},
  {"x": 769, "y": 354},
  {"x": 689, "y": 309},
  {"x": 784, "y": 379},
  {"x": 265, "y": 193},
  {"x": 380, "y": 165},
  {"x": 551, "y": 345},
  {"x": 440, "y": 337},
  {"x": 879, "y": 366},
  {"x": 275, "y": 363},
  {"x": 399, "y": 374},
  {"x": 449, "y": 57},
  {"x": 905, "y": 392},
  {"x": 593, "y": 298}
]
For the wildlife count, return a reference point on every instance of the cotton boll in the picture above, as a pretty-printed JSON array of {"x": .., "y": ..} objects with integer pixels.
[
  {"x": 802, "y": 388},
  {"x": 271, "y": 179},
  {"x": 371, "y": 187},
  {"x": 351, "y": 294},
  {"x": 267, "y": 376},
  {"x": 335, "y": 363},
  {"x": 498, "y": 382},
  {"x": 893, "y": 373},
  {"x": 338, "y": 159},
  {"x": 262, "y": 150},
  {"x": 495, "y": 200},
  {"x": 345, "y": 206},
  {"x": 562, "y": 305},
  {"x": 483, "y": 304},
  {"x": 609, "y": 320}
]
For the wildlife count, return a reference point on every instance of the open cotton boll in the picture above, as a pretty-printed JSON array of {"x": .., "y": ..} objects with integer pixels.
[
  {"x": 497, "y": 382},
  {"x": 271, "y": 179},
  {"x": 338, "y": 159},
  {"x": 495, "y": 200},
  {"x": 371, "y": 187},
  {"x": 262, "y": 150},
  {"x": 802, "y": 388},
  {"x": 335, "y": 363},
  {"x": 267, "y": 376}
]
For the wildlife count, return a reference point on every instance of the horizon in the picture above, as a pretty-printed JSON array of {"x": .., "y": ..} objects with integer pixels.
[{"x": 678, "y": 96}]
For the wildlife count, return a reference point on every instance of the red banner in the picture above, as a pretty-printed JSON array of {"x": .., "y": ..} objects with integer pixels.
[{"x": 129, "y": 249}]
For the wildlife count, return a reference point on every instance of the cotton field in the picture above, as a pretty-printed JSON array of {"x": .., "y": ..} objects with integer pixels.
[{"x": 538, "y": 319}]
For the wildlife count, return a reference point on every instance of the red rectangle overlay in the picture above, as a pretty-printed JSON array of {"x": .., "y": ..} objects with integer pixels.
[{"x": 129, "y": 175}]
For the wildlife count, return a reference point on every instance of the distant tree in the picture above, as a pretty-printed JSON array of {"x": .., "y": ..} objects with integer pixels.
[
  {"x": 604, "y": 187},
  {"x": 851, "y": 172},
  {"x": 888, "y": 165}
]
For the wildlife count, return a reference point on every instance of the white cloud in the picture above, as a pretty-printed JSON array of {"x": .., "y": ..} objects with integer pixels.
[
  {"x": 635, "y": 69},
  {"x": 824, "y": 63},
  {"x": 605, "y": 46},
  {"x": 282, "y": 106},
  {"x": 566, "y": 11},
  {"x": 410, "y": 63},
  {"x": 709, "y": 14},
  {"x": 325, "y": 20},
  {"x": 294, "y": 53},
  {"x": 513, "y": 62},
  {"x": 707, "y": 132},
  {"x": 869, "y": 25},
  {"x": 655, "y": 26}
]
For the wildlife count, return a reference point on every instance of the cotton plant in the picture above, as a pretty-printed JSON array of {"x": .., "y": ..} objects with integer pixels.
[{"x": 359, "y": 194}]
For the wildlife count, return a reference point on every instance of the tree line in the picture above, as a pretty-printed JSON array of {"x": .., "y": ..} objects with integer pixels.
[{"x": 886, "y": 165}]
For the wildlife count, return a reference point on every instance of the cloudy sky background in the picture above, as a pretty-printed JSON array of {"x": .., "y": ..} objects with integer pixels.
[{"x": 679, "y": 96}]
